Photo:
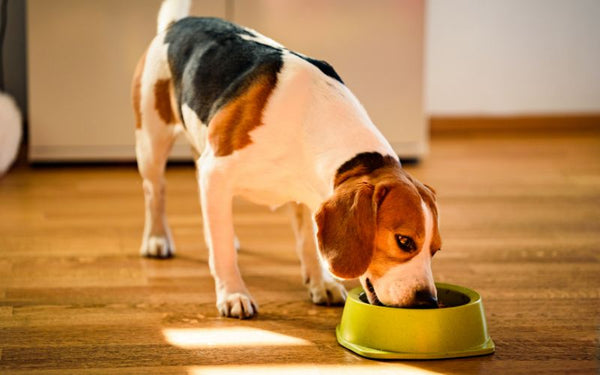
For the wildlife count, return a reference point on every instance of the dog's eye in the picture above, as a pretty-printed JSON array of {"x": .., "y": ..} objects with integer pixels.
[{"x": 405, "y": 243}]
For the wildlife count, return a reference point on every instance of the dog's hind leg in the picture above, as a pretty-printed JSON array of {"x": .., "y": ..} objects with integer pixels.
[
  {"x": 156, "y": 128},
  {"x": 152, "y": 153},
  {"x": 323, "y": 289}
]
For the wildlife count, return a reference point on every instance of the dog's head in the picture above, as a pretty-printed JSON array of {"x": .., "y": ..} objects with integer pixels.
[{"x": 382, "y": 227}]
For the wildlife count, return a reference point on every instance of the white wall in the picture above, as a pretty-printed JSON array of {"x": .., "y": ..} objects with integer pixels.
[{"x": 504, "y": 57}]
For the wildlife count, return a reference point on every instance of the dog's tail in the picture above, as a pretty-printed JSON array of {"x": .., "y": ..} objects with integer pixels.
[{"x": 172, "y": 11}]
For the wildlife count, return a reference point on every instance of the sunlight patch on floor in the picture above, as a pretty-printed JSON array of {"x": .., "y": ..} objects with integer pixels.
[
  {"x": 375, "y": 369},
  {"x": 193, "y": 338}
]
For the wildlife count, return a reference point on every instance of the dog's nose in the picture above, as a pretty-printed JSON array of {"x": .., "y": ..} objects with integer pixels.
[{"x": 425, "y": 300}]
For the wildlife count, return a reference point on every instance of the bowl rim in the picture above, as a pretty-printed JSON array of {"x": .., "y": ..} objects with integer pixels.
[{"x": 474, "y": 298}]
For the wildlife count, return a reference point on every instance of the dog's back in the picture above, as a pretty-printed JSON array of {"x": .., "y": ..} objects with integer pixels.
[{"x": 212, "y": 63}]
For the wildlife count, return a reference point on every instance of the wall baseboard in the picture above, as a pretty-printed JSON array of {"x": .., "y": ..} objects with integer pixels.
[
  {"x": 448, "y": 125},
  {"x": 98, "y": 153}
]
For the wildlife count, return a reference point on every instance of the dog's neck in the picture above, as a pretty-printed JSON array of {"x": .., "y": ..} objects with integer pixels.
[
  {"x": 319, "y": 125},
  {"x": 347, "y": 144}
]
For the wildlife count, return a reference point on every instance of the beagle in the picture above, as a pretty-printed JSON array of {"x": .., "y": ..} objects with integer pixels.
[{"x": 275, "y": 126}]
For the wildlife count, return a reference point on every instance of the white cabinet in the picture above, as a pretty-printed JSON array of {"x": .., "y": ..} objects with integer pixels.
[{"x": 82, "y": 53}]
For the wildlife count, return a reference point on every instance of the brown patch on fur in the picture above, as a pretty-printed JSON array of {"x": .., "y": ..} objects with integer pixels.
[
  {"x": 400, "y": 212},
  {"x": 136, "y": 91},
  {"x": 395, "y": 208},
  {"x": 163, "y": 101},
  {"x": 230, "y": 128},
  {"x": 346, "y": 230}
]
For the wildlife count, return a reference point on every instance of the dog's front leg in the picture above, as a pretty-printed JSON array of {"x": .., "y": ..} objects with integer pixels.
[
  {"x": 216, "y": 195},
  {"x": 323, "y": 289}
]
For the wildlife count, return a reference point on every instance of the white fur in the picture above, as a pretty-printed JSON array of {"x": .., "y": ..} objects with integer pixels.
[
  {"x": 311, "y": 125},
  {"x": 153, "y": 144},
  {"x": 195, "y": 130},
  {"x": 259, "y": 38},
  {"x": 171, "y": 11},
  {"x": 10, "y": 132},
  {"x": 398, "y": 285},
  {"x": 216, "y": 192}
]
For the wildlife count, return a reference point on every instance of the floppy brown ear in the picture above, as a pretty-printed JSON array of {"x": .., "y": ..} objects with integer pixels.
[
  {"x": 346, "y": 231},
  {"x": 431, "y": 190}
]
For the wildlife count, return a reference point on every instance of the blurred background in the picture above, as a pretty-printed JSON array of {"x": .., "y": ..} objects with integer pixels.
[{"x": 417, "y": 66}]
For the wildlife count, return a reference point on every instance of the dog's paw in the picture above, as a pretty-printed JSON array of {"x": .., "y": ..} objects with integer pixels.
[
  {"x": 157, "y": 247},
  {"x": 237, "y": 305},
  {"x": 327, "y": 292}
]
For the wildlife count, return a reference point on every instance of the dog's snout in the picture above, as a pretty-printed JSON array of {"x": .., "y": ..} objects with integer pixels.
[{"x": 425, "y": 300}]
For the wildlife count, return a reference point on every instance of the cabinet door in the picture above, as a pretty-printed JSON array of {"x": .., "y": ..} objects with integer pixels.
[
  {"x": 82, "y": 54},
  {"x": 376, "y": 47}
]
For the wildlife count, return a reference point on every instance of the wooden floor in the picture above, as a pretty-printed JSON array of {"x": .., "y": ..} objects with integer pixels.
[{"x": 520, "y": 223}]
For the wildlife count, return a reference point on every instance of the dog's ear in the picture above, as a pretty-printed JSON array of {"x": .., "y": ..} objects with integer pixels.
[
  {"x": 346, "y": 230},
  {"x": 431, "y": 190},
  {"x": 428, "y": 194}
]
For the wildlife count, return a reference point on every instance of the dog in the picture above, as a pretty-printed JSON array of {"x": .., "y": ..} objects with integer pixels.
[{"x": 278, "y": 127}]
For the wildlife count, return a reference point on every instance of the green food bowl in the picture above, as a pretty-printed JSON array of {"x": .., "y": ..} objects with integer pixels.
[{"x": 456, "y": 330}]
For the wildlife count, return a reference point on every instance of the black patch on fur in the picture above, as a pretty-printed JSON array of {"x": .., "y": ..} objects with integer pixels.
[
  {"x": 370, "y": 161},
  {"x": 212, "y": 64},
  {"x": 323, "y": 67}
]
